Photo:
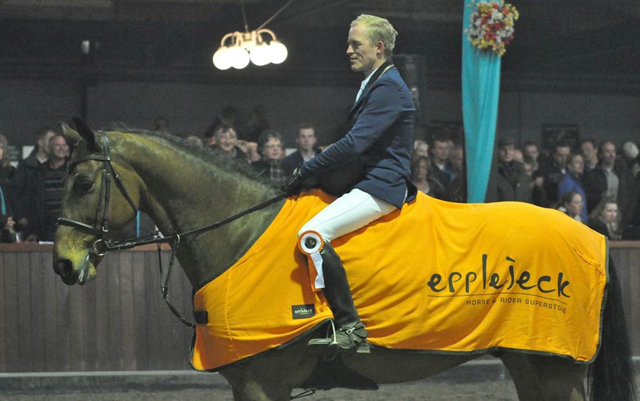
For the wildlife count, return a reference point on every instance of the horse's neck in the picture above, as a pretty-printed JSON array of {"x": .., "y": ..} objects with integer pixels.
[{"x": 183, "y": 192}]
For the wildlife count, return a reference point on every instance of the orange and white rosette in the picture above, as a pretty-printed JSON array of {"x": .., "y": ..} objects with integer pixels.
[{"x": 311, "y": 243}]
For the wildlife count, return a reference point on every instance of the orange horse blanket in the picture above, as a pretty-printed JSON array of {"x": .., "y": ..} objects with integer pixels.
[{"x": 433, "y": 276}]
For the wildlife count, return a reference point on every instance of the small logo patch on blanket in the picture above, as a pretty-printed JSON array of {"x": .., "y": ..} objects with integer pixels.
[
  {"x": 433, "y": 276},
  {"x": 303, "y": 311}
]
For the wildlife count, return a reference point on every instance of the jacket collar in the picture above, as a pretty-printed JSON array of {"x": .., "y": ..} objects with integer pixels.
[{"x": 381, "y": 70}]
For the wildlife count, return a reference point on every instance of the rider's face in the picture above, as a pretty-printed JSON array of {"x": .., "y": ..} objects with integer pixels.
[{"x": 363, "y": 55}]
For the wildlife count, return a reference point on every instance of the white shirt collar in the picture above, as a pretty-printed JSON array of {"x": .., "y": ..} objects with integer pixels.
[{"x": 364, "y": 83}]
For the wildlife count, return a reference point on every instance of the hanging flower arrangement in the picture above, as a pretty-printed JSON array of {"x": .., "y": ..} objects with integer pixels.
[{"x": 491, "y": 25}]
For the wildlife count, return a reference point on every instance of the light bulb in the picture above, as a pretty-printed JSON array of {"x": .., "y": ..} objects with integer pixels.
[
  {"x": 239, "y": 58},
  {"x": 278, "y": 52},
  {"x": 260, "y": 55},
  {"x": 221, "y": 59}
]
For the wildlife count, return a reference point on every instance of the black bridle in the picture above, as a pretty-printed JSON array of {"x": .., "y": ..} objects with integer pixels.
[{"x": 101, "y": 227}]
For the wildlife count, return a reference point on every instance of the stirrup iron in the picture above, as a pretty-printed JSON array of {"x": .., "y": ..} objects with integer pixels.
[{"x": 358, "y": 344}]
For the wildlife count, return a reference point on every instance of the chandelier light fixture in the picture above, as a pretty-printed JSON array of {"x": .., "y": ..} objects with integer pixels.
[{"x": 261, "y": 46}]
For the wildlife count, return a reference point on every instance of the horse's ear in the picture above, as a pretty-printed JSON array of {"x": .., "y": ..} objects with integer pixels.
[
  {"x": 70, "y": 134},
  {"x": 93, "y": 138}
]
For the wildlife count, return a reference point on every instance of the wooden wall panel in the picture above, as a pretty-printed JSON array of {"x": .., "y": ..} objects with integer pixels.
[
  {"x": 101, "y": 328},
  {"x": 38, "y": 277},
  {"x": 50, "y": 307},
  {"x": 77, "y": 320},
  {"x": 10, "y": 294},
  {"x": 89, "y": 327},
  {"x": 23, "y": 285},
  {"x": 114, "y": 311},
  {"x": 140, "y": 325},
  {"x": 152, "y": 306},
  {"x": 127, "y": 307},
  {"x": 4, "y": 321},
  {"x": 621, "y": 261},
  {"x": 633, "y": 300},
  {"x": 627, "y": 262},
  {"x": 63, "y": 322},
  {"x": 119, "y": 321}
]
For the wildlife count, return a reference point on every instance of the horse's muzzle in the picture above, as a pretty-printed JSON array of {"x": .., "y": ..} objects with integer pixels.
[{"x": 64, "y": 269}]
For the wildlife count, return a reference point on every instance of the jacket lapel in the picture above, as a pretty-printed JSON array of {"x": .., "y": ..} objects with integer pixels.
[{"x": 356, "y": 106}]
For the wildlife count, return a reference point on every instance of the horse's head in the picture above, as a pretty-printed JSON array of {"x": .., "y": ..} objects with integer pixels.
[{"x": 100, "y": 195}]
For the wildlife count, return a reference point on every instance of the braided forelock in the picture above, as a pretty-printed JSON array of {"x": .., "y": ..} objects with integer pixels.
[{"x": 378, "y": 29}]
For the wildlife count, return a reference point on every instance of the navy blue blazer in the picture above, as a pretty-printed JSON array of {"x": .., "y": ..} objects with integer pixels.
[{"x": 381, "y": 138}]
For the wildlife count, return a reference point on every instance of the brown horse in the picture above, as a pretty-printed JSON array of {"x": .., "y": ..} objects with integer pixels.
[{"x": 113, "y": 174}]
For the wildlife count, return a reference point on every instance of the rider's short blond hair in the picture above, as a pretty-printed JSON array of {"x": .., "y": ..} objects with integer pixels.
[{"x": 378, "y": 29}]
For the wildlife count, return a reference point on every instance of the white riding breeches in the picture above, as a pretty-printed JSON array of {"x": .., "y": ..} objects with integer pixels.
[{"x": 346, "y": 214}]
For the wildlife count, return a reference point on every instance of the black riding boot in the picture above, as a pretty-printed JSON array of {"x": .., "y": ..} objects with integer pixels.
[{"x": 351, "y": 335}]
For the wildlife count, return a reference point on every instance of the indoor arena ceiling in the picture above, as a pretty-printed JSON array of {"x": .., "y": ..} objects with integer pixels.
[{"x": 174, "y": 39}]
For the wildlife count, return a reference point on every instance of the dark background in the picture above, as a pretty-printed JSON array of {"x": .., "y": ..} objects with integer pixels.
[{"x": 147, "y": 50}]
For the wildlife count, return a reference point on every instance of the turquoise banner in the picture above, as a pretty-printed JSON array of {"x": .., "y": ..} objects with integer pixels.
[{"x": 480, "y": 92}]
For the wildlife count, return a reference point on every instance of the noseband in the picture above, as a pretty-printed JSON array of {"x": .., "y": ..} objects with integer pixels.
[{"x": 101, "y": 228}]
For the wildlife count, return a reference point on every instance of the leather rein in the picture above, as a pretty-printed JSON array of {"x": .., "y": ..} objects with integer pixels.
[{"x": 101, "y": 227}]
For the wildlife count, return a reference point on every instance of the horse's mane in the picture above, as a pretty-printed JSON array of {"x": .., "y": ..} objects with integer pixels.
[{"x": 231, "y": 166}]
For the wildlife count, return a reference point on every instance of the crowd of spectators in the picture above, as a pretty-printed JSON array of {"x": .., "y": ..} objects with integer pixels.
[
  {"x": 593, "y": 183},
  {"x": 31, "y": 194},
  {"x": 254, "y": 142}
]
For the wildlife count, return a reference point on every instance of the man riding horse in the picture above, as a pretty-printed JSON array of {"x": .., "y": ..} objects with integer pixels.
[{"x": 381, "y": 140}]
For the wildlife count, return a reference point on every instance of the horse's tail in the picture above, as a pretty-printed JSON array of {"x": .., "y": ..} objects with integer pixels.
[{"x": 611, "y": 376}]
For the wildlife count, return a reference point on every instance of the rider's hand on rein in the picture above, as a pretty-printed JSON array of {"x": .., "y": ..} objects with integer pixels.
[{"x": 294, "y": 183}]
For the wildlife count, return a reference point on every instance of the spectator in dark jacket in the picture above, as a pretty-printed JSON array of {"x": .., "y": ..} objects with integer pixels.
[
  {"x": 28, "y": 166},
  {"x": 441, "y": 166},
  {"x": 530, "y": 149},
  {"x": 457, "y": 191},
  {"x": 631, "y": 156},
  {"x": 554, "y": 168},
  {"x": 611, "y": 178},
  {"x": 536, "y": 183},
  {"x": 270, "y": 166},
  {"x": 590, "y": 154},
  {"x": 511, "y": 180},
  {"x": 306, "y": 140},
  {"x": 43, "y": 195}
]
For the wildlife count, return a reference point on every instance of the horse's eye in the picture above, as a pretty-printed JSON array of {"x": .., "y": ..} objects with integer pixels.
[{"x": 82, "y": 185}]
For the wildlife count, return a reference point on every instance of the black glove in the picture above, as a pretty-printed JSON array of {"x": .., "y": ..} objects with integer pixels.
[{"x": 294, "y": 183}]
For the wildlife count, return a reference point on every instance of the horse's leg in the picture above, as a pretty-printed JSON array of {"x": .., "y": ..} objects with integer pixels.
[
  {"x": 251, "y": 390},
  {"x": 545, "y": 378},
  {"x": 273, "y": 376},
  {"x": 251, "y": 384}
]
